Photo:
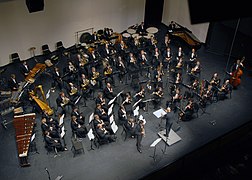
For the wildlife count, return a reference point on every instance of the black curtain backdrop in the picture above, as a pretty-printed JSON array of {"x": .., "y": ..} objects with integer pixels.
[{"x": 153, "y": 12}]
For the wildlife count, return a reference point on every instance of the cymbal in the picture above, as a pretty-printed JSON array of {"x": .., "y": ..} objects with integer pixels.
[{"x": 126, "y": 35}]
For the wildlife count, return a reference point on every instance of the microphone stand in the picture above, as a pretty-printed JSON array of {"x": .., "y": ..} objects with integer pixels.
[{"x": 49, "y": 177}]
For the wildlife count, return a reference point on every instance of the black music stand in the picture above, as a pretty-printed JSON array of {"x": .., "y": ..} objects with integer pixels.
[
  {"x": 154, "y": 144},
  {"x": 147, "y": 104},
  {"x": 49, "y": 176},
  {"x": 33, "y": 146}
]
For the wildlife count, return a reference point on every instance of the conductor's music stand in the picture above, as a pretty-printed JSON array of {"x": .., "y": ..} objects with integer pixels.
[{"x": 154, "y": 144}]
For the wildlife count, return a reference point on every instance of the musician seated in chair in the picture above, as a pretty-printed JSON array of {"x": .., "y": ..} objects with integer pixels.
[
  {"x": 79, "y": 115},
  {"x": 187, "y": 114},
  {"x": 101, "y": 113},
  {"x": 108, "y": 91},
  {"x": 80, "y": 129},
  {"x": 157, "y": 95},
  {"x": 53, "y": 129},
  {"x": 54, "y": 142},
  {"x": 102, "y": 101},
  {"x": 62, "y": 101},
  {"x": 73, "y": 91},
  {"x": 104, "y": 134}
]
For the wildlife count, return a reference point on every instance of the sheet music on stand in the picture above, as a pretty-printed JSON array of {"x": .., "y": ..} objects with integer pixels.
[
  {"x": 136, "y": 103},
  {"x": 61, "y": 120},
  {"x": 136, "y": 111},
  {"x": 155, "y": 142},
  {"x": 119, "y": 93},
  {"x": 147, "y": 100},
  {"x": 112, "y": 100},
  {"x": 91, "y": 117},
  {"x": 90, "y": 134},
  {"x": 159, "y": 113},
  {"x": 62, "y": 134},
  {"x": 110, "y": 110},
  {"x": 48, "y": 93},
  {"x": 114, "y": 127},
  {"x": 111, "y": 119},
  {"x": 77, "y": 100}
]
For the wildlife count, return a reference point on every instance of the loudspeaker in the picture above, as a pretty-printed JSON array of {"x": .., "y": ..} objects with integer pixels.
[{"x": 35, "y": 5}]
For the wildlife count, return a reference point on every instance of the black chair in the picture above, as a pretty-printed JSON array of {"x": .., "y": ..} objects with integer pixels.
[
  {"x": 15, "y": 57},
  {"x": 77, "y": 147},
  {"x": 50, "y": 149},
  {"x": 46, "y": 51},
  {"x": 60, "y": 48}
]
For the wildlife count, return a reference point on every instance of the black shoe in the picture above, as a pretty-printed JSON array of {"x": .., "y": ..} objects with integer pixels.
[{"x": 139, "y": 150}]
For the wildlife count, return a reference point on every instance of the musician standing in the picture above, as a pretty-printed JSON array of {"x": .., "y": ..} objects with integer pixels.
[
  {"x": 13, "y": 83},
  {"x": 25, "y": 68},
  {"x": 140, "y": 133},
  {"x": 57, "y": 79}
]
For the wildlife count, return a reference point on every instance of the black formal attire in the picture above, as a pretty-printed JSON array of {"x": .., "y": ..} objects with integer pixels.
[
  {"x": 54, "y": 142},
  {"x": 79, "y": 129},
  {"x": 104, "y": 134},
  {"x": 13, "y": 84},
  {"x": 25, "y": 69},
  {"x": 139, "y": 135},
  {"x": 108, "y": 94},
  {"x": 57, "y": 81}
]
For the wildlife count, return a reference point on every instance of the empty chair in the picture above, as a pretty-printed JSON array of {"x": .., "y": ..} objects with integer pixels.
[
  {"x": 59, "y": 46},
  {"x": 14, "y": 57},
  {"x": 45, "y": 50}
]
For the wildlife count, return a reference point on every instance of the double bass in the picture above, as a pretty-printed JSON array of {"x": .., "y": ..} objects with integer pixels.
[{"x": 235, "y": 79}]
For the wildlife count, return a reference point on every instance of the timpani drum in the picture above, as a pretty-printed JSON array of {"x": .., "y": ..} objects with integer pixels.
[
  {"x": 126, "y": 35},
  {"x": 131, "y": 31},
  {"x": 152, "y": 30}
]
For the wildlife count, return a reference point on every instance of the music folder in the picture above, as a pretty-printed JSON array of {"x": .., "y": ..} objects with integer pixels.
[
  {"x": 90, "y": 134},
  {"x": 61, "y": 120},
  {"x": 119, "y": 93},
  {"x": 137, "y": 102},
  {"x": 91, "y": 117},
  {"x": 155, "y": 142},
  {"x": 77, "y": 100},
  {"x": 136, "y": 111},
  {"x": 48, "y": 94},
  {"x": 110, "y": 109},
  {"x": 159, "y": 113},
  {"x": 111, "y": 119},
  {"x": 114, "y": 127},
  {"x": 62, "y": 134},
  {"x": 112, "y": 100}
]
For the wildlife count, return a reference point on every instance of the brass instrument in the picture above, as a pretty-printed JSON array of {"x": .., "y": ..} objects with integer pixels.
[
  {"x": 42, "y": 104},
  {"x": 74, "y": 90},
  {"x": 65, "y": 101},
  {"x": 85, "y": 84},
  {"x": 94, "y": 77},
  {"x": 108, "y": 71}
]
